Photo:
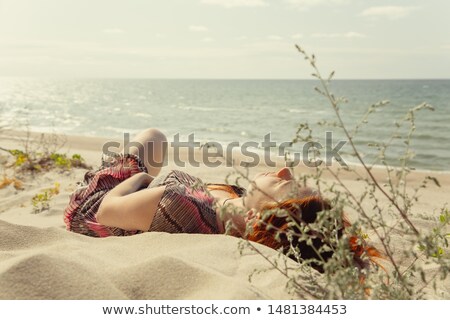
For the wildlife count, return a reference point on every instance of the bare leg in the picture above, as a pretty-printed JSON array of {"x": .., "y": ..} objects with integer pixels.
[{"x": 151, "y": 146}]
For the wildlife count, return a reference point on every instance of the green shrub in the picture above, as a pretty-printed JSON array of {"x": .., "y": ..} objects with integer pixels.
[{"x": 384, "y": 210}]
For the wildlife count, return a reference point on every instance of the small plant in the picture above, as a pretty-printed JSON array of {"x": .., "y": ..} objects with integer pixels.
[
  {"x": 38, "y": 161},
  {"x": 18, "y": 185},
  {"x": 40, "y": 154},
  {"x": 436, "y": 243},
  {"x": 20, "y": 157},
  {"x": 37, "y": 155},
  {"x": 41, "y": 201},
  {"x": 383, "y": 210},
  {"x": 65, "y": 162}
]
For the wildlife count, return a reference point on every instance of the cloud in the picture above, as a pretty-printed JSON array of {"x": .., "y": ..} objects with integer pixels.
[
  {"x": 113, "y": 31},
  {"x": 275, "y": 38},
  {"x": 236, "y": 3},
  {"x": 208, "y": 39},
  {"x": 389, "y": 12},
  {"x": 297, "y": 36},
  {"x": 198, "y": 28},
  {"x": 306, "y": 4},
  {"x": 350, "y": 34}
]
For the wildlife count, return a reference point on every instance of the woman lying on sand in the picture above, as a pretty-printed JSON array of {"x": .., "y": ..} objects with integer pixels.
[{"x": 127, "y": 197}]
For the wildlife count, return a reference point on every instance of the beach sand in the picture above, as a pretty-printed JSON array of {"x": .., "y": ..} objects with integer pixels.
[{"x": 39, "y": 259}]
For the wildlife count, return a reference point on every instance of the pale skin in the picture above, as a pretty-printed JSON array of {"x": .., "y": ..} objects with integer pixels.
[{"x": 131, "y": 206}]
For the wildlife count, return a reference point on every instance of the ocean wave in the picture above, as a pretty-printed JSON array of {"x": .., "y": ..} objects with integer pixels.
[
  {"x": 143, "y": 115},
  {"x": 217, "y": 129},
  {"x": 194, "y": 108},
  {"x": 119, "y": 130},
  {"x": 48, "y": 129},
  {"x": 296, "y": 111}
]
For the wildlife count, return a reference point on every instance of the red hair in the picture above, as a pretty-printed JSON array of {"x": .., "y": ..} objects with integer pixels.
[
  {"x": 223, "y": 187},
  {"x": 300, "y": 212}
]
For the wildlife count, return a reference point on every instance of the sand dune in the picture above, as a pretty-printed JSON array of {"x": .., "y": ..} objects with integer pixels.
[
  {"x": 51, "y": 263},
  {"x": 39, "y": 259}
]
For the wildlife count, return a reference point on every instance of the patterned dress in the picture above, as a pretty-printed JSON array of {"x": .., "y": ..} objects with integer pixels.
[{"x": 186, "y": 206}]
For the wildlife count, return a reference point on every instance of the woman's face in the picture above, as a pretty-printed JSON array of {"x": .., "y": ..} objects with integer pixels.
[{"x": 270, "y": 187}]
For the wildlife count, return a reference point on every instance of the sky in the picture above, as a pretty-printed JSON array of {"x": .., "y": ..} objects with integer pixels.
[{"x": 224, "y": 39}]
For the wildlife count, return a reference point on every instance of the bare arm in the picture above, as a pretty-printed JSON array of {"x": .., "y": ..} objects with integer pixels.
[
  {"x": 127, "y": 208},
  {"x": 132, "y": 184},
  {"x": 234, "y": 213}
]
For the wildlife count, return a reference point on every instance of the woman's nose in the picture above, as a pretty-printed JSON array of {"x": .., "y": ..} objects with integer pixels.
[{"x": 285, "y": 174}]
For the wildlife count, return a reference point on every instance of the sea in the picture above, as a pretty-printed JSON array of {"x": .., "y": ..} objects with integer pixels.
[{"x": 245, "y": 111}]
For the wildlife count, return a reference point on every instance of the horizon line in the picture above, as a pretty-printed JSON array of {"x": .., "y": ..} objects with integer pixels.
[{"x": 215, "y": 79}]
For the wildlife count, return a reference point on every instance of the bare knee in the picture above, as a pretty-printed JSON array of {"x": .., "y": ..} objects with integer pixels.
[
  {"x": 150, "y": 137},
  {"x": 152, "y": 134},
  {"x": 151, "y": 146}
]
